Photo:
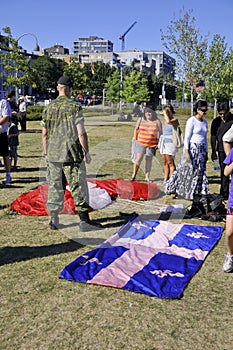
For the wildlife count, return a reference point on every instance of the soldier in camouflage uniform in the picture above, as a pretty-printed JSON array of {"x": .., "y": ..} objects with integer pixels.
[{"x": 65, "y": 145}]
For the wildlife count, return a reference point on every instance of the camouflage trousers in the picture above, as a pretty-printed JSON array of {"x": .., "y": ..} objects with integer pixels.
[{"x": 75, "y": 174}]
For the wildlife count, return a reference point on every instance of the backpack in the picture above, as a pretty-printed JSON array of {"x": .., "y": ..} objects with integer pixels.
[{"x": 214, "y": 208}]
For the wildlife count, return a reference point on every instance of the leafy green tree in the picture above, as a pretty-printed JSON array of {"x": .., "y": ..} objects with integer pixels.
[
  {"x": 96, "y": 76},
  {"x": 218, "y": 70},
  {"x": 87, "y": 72},
  {"x": 75, "y": 71},
  {"x": 135, "y": 88},
  {"x": 229, "y": 72},
  {"x": 46, "y": 71},
  {"x": 16, "y": 66},
  {"x": 183, "y": 39},
  {"x": 112, "y": 86},
  {"x": 20, "y": 69},
  {"x": 90, "y": 77},
  {"x": 152, "y": 85}
]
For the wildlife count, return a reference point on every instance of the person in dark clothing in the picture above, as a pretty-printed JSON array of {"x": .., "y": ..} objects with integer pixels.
[
  {"x": 219, "y": 127},
  {"x": 138, "y": 109},
  {"x": 14, "y": 106},
  {"x": 13, "y": 140}
]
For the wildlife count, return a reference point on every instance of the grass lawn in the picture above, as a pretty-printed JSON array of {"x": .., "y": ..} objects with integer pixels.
[{"x": 40, "y": 311}]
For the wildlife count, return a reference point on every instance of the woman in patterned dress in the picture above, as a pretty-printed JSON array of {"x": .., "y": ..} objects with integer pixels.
[{"x": 190, "y": 179}]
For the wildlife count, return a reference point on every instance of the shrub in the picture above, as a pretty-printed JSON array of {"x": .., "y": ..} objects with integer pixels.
[{"x": 34, "y": 112}]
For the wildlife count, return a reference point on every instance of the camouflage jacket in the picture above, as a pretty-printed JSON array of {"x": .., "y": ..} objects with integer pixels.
[{"x": 60, "y": 118}]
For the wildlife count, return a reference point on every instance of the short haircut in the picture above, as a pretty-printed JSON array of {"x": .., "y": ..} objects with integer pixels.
[
  {"x": 10, "y": 93},
  {"x": 223, "y": 106}
]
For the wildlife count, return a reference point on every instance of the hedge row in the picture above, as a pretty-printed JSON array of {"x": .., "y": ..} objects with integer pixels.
[{"x": 34, "y": 112}]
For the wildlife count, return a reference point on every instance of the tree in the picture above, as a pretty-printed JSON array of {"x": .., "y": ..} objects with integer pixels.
[
  {"x": 229, "y": 72},
  {"x": 16, "y": 66},
  {"x": 153, "y": 86},
  {"x": 90, "y": 77},
  {"x": 135, "y": 88},
  {"x": 113, "y": 86},
  {"x": 96, "y": 76},
  {"x": 218, "y": 70},
  {"x": 184, "y": 40},
  {"x": 20, "y": 69},
  {"x": 75, "y": 71},
  {"x": 46, "y": 72}
]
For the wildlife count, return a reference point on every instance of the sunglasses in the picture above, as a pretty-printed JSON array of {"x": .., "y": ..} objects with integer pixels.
[
  {"x": 203, "y": 110},
  {"x": 222, "y": 113}
]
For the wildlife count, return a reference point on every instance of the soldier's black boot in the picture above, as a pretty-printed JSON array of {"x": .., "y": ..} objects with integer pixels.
[
  {"x": 86, "y": 224},
  {"x": 54, "y": 221}
]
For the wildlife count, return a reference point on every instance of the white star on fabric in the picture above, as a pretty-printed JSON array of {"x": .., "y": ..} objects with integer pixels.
[
  {"x": 138, "y": 225},
  {"x": 197, "y": 235},
  {"x": 164, "y": 273},
  {"x": 96, "y": 260}
]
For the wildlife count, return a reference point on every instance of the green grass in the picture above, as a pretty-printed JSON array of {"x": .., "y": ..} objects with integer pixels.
[{"x": 40, "y": 311}]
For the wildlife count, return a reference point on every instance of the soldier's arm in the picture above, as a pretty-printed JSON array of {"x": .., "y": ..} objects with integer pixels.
[
  {"x": 82, "y": 135},
  {"x": 44, "y": 140}
]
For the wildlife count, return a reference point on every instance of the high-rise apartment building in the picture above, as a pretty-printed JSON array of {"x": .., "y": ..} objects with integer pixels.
[
  {"x": 92, "y": 44},
  {"x": 163, "y": 63}
]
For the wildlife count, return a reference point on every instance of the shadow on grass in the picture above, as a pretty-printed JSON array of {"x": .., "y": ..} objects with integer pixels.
[
  {"x": 10, "y": 255},
  {"x": 119, "y": 220},
  {"x": 29, "y": 157},
  {"x": 23, "y": 169},
  {"x": 7, "y": 186},
  {"x": 93, "y": 176},
  {"x": 26, "y": 180},
  {"x": 14, "y": 183},
  {"x": 31, "y": 131}
]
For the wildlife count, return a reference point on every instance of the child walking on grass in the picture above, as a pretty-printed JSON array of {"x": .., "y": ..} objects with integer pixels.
[{"x": 13, "y": 140}]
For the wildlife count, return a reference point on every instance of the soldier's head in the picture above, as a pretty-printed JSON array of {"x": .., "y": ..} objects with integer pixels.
[{"x": 64, "y": 85}]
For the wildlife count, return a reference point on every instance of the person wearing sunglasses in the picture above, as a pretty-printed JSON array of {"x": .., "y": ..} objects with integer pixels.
[
  {"x": 219, "y": 127},
  {"x": 190, "y": 179}
]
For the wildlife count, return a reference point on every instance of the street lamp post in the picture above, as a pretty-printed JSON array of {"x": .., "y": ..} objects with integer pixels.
[
  {"x": 163, "y": 93},
  {"x": 122, "y": 64},
  {"x": 36, "y": 48}
]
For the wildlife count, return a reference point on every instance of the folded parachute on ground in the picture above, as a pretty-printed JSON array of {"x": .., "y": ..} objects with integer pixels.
[{"x": 101, "y": 192}]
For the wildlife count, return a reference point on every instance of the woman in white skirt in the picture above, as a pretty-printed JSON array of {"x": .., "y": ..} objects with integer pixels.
[
  {"x": 166, "y": 145},
  {"x": 190, "y": 179}
]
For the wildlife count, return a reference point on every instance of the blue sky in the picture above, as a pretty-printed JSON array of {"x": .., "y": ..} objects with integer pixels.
[{"x": 55, "y": 22}]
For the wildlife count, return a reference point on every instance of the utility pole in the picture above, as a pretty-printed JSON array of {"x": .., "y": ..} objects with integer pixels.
[{"x": 36, "y": 48}]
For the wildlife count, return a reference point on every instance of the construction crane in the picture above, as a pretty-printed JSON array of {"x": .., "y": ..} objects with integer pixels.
[{"x": 122, "y": 37}]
